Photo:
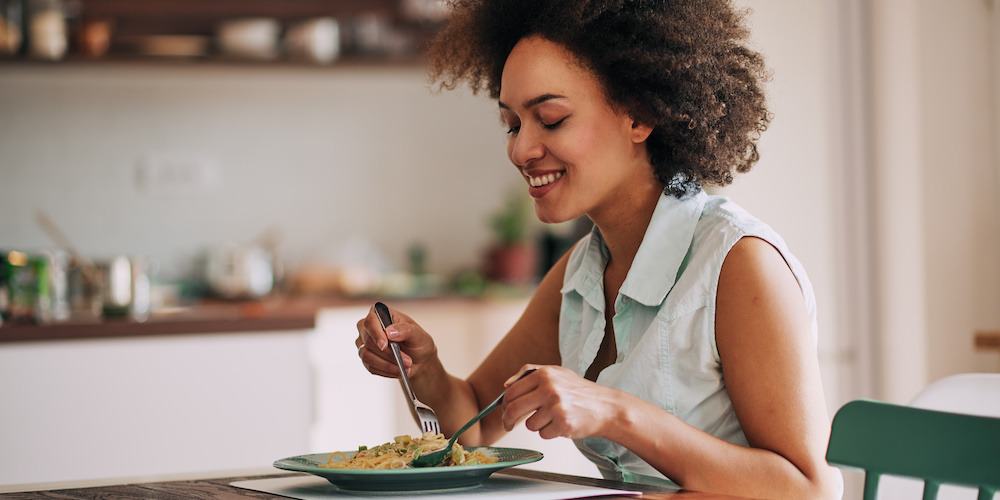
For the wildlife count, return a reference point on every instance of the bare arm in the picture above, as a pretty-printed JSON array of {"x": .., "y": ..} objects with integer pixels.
[
  {"x": 533, "y": 339},
  {"x": 770, "y": 370},
  {"x": 772, "y": 375}
]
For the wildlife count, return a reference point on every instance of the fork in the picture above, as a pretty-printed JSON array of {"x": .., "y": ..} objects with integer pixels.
[{"x": 423, "y": 414}]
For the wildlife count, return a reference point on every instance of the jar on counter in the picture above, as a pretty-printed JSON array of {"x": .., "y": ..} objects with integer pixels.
[
  {"x": 11, "y": 19},
  {"x": 125, "y": 288},
  {"x": 28, "y": 287},
  {"x": 47, "y": 29}
]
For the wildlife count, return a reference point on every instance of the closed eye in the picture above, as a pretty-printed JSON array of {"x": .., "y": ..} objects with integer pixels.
[{"x": 555, "y": 125}]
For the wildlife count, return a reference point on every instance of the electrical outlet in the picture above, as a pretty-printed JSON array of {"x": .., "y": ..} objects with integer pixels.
[{"x": 176, "y": 175}]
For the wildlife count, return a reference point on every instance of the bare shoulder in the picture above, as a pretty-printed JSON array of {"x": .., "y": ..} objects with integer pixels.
[
  {"x": 754, "y": 261},
  {"x": 761, "y": 318},
  {"x": 756, "y": 280},
  {"x": 769, "y": 357}
]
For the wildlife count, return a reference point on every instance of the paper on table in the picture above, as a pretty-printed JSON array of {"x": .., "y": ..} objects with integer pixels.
[{"x": 497, "y": 487}]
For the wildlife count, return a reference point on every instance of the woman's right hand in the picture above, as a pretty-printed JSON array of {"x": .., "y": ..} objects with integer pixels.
[{"x": 416, "y": 346}]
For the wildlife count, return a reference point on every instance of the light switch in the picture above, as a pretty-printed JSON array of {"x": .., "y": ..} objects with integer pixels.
[{"x": 176, "y": 175}]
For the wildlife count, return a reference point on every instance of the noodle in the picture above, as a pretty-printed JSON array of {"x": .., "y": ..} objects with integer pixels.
[{"x": 399, "y": 453}]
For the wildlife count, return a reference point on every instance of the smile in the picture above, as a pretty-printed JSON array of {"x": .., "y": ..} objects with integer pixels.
[{"x": 543, "y": 180}]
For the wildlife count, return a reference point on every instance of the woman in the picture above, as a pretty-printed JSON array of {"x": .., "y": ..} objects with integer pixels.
[{"x": 677, "y": 341}]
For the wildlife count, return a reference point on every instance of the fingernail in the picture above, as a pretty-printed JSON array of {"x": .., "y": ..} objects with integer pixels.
[
  {"x": 381, "y": 344},
  {"x": 392, "y": 332}
]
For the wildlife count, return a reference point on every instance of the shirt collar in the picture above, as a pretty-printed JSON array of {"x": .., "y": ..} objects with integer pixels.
[
  {"x": 664, "y": 246},
  {"x": 588, "y": 278},
  {"x": 657, "y": 262}
]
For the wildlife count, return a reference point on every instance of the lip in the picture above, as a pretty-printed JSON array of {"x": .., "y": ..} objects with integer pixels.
[
  {"x": 539, "y": 173},
  {"x": 538, "y": 192}
]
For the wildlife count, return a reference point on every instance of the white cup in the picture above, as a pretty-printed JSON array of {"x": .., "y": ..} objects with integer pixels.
[
  {"x": 316, "y": 40},
  {"x": 251, "y": 38}
]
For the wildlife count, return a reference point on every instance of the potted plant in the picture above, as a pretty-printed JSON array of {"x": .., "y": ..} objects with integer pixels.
[{"x": 512, "y": 257}]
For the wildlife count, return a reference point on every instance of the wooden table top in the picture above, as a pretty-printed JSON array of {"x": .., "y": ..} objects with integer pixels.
[{"x": 220, "y": 488}]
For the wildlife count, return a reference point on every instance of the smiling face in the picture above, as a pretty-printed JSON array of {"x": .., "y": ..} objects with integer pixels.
[{"x": 577, "y": 154}]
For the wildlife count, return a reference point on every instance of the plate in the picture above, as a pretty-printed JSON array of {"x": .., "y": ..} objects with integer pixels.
[{"x": 424, "y": 479}]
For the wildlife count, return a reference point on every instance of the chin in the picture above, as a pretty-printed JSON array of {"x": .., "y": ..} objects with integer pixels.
[{"x": 551, "y": 216}]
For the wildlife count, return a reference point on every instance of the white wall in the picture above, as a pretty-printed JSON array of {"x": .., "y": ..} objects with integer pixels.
[
  {"x": 790, "y": 188},
  {"x": 323, "y": 153},
  {"x": 961, "y": 190},
  {"x": 330, "y": 153},
  {"x": 922, "y": 150},
  {"x": 935, "y": 174}
]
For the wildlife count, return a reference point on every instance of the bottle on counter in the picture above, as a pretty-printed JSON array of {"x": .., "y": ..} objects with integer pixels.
[
  {"x": 47, "y": 29},
  {"x": 11, "y": 19}
]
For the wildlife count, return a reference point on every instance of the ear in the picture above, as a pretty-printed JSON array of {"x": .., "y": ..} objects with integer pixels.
[{"x": 640, "y": 132}]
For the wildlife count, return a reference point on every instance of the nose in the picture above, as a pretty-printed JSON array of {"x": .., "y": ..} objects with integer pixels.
[{"x": 524, "y": 148}]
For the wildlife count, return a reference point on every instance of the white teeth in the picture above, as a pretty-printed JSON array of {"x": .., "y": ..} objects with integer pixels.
[{"x": 544, "y": 179}]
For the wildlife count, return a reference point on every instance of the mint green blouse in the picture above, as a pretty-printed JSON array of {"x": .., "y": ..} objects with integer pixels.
[{"x": 664, "y": 320}]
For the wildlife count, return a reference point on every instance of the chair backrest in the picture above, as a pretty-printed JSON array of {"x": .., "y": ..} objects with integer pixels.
[{"x": 935, "y": 446}]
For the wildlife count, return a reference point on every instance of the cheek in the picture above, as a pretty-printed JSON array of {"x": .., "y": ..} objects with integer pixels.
[{"x": 578, "y": 146}]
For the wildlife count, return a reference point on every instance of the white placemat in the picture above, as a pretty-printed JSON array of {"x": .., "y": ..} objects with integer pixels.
[{"x": 496, "y": 487}]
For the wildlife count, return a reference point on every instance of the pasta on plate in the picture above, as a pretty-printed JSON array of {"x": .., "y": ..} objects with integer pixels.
[{"x": 402, "y": 450}]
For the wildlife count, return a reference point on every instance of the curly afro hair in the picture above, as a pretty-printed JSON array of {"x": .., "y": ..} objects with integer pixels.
[{"x": 679, "y": 66}]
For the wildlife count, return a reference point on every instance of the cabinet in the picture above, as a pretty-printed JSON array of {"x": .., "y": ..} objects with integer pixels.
[
  {"x": 125, "y": 407},
  {"x": 180, "y": 404}
]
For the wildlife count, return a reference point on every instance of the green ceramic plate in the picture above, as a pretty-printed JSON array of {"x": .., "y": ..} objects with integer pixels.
[{"x": 409, "y": 480}]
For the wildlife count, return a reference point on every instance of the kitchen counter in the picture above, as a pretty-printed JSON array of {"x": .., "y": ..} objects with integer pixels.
[
  {"x": 144, "y": 403},
  {"x": 220, "y": 488},
  {"x": 275, "y": 314}
]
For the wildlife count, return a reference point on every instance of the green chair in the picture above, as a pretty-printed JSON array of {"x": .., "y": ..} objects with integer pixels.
[{"x": 938, "y": 447}]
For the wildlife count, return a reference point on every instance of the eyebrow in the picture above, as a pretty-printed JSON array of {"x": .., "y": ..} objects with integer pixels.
[{"x": 534, "y": 101}]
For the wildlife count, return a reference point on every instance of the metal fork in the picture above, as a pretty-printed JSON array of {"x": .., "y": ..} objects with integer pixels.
[{"x": 422, "y": 414}]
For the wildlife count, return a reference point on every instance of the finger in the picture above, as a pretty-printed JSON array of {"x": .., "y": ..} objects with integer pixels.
[
  {"x": 364, "y": 340},
  {"x": 364, "y": 350},
  {"x": 513, "y": 378},
  {"x": 375, "y": 363},
  {"x": 540, "y": 419},
  {"x": 523, "y": 386},
  {"x": 517, "y": 409},
  {"x": 403, "y": 333},
  {"x": 382, "y": 374},
  {"x": 373, "y": 330},
  {"x": 552, "y": 430}
]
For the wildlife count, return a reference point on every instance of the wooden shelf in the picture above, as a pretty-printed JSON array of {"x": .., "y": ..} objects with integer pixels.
[
  {"x": 343, "y": 63},
  {"x": 133, "y": 21},
  {"x": 988, "y": 340},
  {"x": 282, "y": 9}
]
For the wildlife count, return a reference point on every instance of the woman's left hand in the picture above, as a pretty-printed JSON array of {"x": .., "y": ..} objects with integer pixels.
[{"x": 560, "y": 403}]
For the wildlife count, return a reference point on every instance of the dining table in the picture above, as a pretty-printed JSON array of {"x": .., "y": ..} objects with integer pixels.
[{"x": 220, "y": 488}]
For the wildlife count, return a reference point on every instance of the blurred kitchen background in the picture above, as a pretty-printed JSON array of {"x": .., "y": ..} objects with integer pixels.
[{"x": 198, "y": 200}]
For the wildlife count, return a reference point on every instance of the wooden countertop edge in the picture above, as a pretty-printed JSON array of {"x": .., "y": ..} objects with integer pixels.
[
  {"x": 987, "y": 340},
  {"x": 265, "y": 316},
  {"x": 111, "y": 329},
  {"x": 221, "y": 488}
]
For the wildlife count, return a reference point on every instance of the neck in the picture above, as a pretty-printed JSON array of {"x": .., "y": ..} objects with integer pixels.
[{"x": 623, "y": 222}]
